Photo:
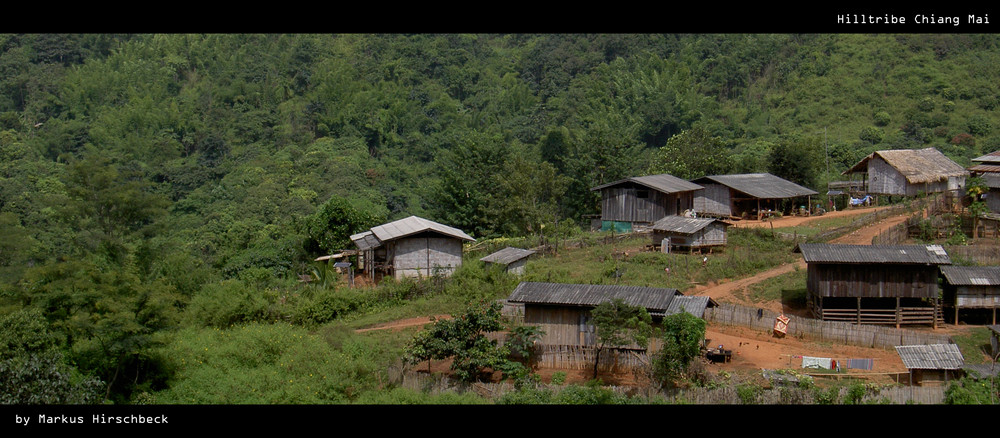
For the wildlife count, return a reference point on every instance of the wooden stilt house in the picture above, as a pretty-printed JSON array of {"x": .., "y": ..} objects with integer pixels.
[
  {"x": 640, "y": 201},
  {"x": 689, "y": 233},
  {"x": 972, "y": 288},
  {"x": 750, "y": 196},
  {"x": 874, "y": 284}
]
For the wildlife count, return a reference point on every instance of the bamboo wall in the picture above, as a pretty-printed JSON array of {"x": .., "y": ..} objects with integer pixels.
[
  {"x": 713, "y": 200},
  {"x": 425, "y": 256},
  {"x": 868, "y": 336}
]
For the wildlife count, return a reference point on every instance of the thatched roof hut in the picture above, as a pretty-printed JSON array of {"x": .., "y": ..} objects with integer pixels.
[{"x": 909, "y": 172}]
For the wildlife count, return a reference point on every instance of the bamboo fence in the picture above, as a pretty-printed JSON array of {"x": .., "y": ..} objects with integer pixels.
[{"x": 830, "y": 331}]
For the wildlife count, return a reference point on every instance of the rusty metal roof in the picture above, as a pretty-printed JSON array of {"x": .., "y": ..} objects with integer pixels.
[
  {"x": 590, "y": 295},
  {"x": 931, "y": 357},
  {"x": 683, "y": 225},
  {"x": 507, "y": 255},
  {"x": 759, "y": 185},
  {"x": 972, "y": 275},
  {"x": 665, "y": 183},
  {"x": 874, "y": 254}
]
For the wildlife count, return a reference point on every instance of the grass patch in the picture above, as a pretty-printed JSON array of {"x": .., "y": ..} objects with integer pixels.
[
  {"x": 787, "y": 288},
  {"x": 975, "y": 345}
]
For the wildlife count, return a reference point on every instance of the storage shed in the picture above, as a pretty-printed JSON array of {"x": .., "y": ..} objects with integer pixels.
[
  {"x": 745, "y": 195},
  {"x": 512, "y": 259},
  {"x": 411, "y": 247},
  {"x": 909, "y": 172},
  {"x": 972, "y": 287},
  {"x": 874, "y": 284},
  {"x": 931, "y": 365},
  {"x": 563, "y": 310},
  {"x": 689, "y": 233},
  {"x": 642, "y": 200}
]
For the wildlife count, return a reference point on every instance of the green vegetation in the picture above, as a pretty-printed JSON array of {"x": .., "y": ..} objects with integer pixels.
[
  {"x": 619, "y": 324},
  {"x": 683, "y": 334},
  {"x": 162, "y": 194}
]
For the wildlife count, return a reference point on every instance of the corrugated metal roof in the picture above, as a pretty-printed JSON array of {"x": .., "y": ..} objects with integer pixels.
[
  {"x": 365, "y": 240},
  {"x": 931, "y": 357},
  {"x": 983, "y": 370},
  {"x": 916, "y": 165},
  {"x": 507, "y": 255},
  {"x": 590, "y": 295},
  {"x": 992, "y": 157},
  {"x": 972, "y": 275},
  {"x": 992, "y": 180},
  {"x": 694, "y": 305},
  {"x": 880, "y": 254},
  {"x": 760, "y": 185},
  {"x": 684, "y": 225},
  {"x": 985, "y": 168},
  {"x": 413, "y": 225},
  {"x": 665, "y": 183}
]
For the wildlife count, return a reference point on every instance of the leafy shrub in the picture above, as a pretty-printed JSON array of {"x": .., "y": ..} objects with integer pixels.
[
  {"x": 872, "y": 135},
  {"x": 882, "y": 118},
  {"x": 227, "y": 303}
]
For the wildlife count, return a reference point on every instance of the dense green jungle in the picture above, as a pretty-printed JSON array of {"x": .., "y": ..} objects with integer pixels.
[{"x": 161, "y": 194}]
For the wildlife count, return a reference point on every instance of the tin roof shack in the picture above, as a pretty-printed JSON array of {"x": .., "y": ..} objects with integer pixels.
[
  {"x": 972, "y": 287},
  {"x": 689, "y": 233},
  {"x": 909, "y": 172},
  {"x": 746, "y": 195},
  {"x": 563, "y": 310},
  {"x": 931, "y": 365},
  {"x": 642, "y": 200},
  {"x": 874, "y": 284},
  {"x": 512, "y": 259},
  {"x": 411, "y": 247}
]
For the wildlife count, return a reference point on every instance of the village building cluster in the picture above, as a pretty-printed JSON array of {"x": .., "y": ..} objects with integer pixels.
[{"x": 893, "y": 285}]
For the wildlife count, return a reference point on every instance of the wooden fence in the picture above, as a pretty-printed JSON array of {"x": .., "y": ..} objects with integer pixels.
[
  {"x": 978, "y": 254},
  {"x": 831, "y": 331},
  {"x": 582, "y": 358},
  {"x": 729, "y": 395}
]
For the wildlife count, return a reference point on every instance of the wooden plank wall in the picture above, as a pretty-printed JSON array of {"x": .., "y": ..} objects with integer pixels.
[
  {"x": 426, "y": 256},
  {"x": 871, "y": 281}
]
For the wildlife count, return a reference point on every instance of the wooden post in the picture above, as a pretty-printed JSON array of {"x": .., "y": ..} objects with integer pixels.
[
  {"x": 899, "y": 316},
  {"x": 937, "y": 305},
  {"x": 859, "y": 310}
]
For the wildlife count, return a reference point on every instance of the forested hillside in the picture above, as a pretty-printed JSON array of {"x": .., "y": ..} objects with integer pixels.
[{"x": 158, "y": 184}]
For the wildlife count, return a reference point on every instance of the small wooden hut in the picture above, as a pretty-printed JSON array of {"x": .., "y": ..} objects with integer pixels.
[
  {"x": 689, "y": 233},
  {"x": 512, "y": 259},
  {"x": 746, "y": 195},
  {"x": 642, "y": 200},
  {"x": 874, "y": 284},
  {"x": 410, "y": 247},
  {"x": 932, "y": 365},
  {"x": 563, "y": 310},
  {"x": 909, "y": 172},
  {"x": 972, "y": 287}
]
